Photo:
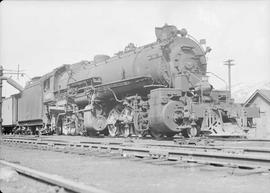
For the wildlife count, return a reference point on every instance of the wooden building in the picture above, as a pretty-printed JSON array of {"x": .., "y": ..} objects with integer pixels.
[{"x": 261, "y": 98}]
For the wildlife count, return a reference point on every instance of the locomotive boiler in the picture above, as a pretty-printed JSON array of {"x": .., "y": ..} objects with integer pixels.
[
  {"x": 126, "y": 93},
  {"x": 159, "y": 89}
]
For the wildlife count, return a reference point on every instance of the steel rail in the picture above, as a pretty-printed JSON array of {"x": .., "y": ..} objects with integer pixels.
[
  {"x": 147, "y": 144},
  {"x": 35, "y": 137},
  {"x": 239, "y": 139},
  {"x": 191, "y": 146},
  {"x": 70, "y": 185},
  {"x": 215, "y": 139},
  {"x": 218, "y": 148},
  {"x": 176, "y": 146},
  {"x": 219, "y": 158}
]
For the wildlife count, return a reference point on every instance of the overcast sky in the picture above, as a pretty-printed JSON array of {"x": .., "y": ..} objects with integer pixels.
[{"x": 41, "y": 35}]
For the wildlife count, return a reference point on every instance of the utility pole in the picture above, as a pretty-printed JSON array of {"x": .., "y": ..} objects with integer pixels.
[
  {"x": 1, "y": 74},
  {"x": 229, "y": 64}
]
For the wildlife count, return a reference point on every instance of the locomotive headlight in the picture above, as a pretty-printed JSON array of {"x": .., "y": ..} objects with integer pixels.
[{"x": 207, "y": 50}]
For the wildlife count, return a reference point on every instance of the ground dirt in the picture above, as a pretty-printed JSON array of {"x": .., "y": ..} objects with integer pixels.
[{"x": 125, "y": 175}]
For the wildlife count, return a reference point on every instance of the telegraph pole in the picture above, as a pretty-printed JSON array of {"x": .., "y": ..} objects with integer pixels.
[{"x": 229, "y": 64}]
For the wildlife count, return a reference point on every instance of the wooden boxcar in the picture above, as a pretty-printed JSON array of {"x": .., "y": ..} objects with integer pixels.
[{"x": 10, "y": 113}]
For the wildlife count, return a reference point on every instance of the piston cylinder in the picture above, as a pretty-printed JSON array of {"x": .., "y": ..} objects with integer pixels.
[{"x": 165, "y": 113}]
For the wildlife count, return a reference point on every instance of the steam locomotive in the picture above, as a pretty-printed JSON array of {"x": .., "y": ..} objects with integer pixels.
[{"x": 159, "y": 89}]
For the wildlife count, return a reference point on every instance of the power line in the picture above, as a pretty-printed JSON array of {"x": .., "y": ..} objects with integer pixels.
[{"x": 17, "y": 72}]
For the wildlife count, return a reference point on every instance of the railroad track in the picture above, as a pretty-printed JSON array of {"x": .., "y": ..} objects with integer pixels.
[
  {"x": 240, "y": 139},
  {"x": 69, "y": 185},
  {"x": 236, "y": 157},
  {"x": 211, "y": 138},
  {"x": 194, "y": 144}
]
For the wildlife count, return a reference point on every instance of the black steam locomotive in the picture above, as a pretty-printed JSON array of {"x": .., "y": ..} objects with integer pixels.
[{"x": 159, "y": 89}]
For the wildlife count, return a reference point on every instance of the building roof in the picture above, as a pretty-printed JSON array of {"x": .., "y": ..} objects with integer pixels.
[{"x": 265, "y": 94}]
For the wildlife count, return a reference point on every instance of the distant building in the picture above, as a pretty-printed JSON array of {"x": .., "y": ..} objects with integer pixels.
[{"x": 261, "y": 98}]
